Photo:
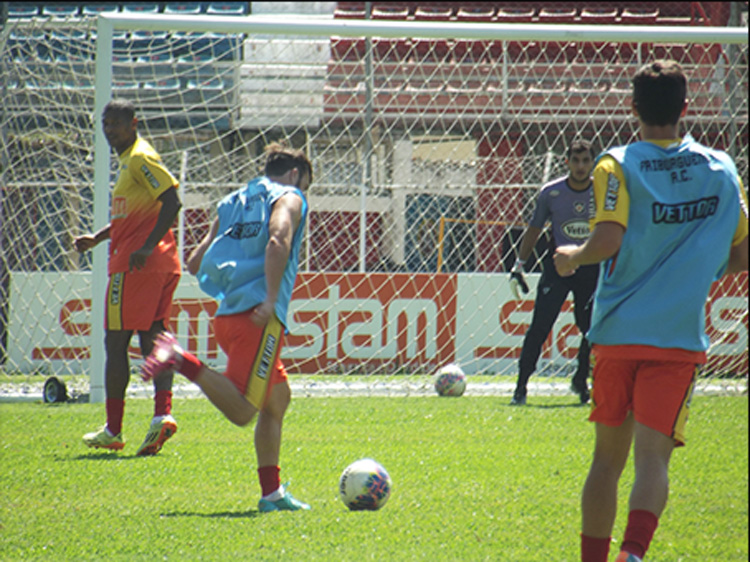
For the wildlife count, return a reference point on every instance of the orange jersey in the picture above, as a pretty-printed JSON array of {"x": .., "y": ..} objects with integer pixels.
[{"x": 142, "y": 178}]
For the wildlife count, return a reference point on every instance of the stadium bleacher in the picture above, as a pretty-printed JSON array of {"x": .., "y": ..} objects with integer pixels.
[
  {"x": 151, "y": 56},
  {"x": 636, "y": 13},
  {"x": 416, "y": 56},
  {"x": 144, "y": 62}
]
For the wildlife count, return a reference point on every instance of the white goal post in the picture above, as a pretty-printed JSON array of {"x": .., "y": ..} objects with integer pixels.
[{"x": 414, "y": 149}]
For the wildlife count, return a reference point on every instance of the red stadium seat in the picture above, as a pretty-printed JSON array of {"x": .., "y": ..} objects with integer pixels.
[
  {"x": 435, "y": 12},
  {"x": 515, "y": 15},
  {"x": 480, "y": 14},
  {"x": 596, "y": 52},
  {"x": 586, "y": 95},
  {"x": 522, "y": 50},
  {"x": 599, "y": 16},
  {"x": 347, "y": 48},
  {"x": 349, "y": 10},
  {"x": 390, "y": 12},
  {"x": 432, "y": 49},
  {"x": 676, "y": 13},
  {"x": 557, "y": 15},
  {"x": 391, "y": 49},
  {"x": 639, "y": 16}
]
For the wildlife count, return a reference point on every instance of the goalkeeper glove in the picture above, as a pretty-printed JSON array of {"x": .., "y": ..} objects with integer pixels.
[{"x": 517, "y": 281}]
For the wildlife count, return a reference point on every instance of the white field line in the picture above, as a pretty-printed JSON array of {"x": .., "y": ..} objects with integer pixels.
[{"x": 320, "y": 387}]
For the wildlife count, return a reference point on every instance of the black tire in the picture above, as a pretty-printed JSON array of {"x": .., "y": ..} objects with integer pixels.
[{"x": 55, "y": 391}]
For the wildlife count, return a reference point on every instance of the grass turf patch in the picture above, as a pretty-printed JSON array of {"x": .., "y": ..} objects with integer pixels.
[{"x": 473, "y": 479}]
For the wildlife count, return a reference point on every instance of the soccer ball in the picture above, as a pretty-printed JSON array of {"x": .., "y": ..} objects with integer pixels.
[
  {"x": 450, "y": 380},
  {"x": 365, "y": 485}
]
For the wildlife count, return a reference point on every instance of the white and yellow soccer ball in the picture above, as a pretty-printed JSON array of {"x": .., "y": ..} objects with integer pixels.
[
  {"x": 450, "y": 380},
  {"x": 365, "y": 485}
]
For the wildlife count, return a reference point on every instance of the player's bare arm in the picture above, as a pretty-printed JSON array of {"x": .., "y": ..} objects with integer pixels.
[
  {"x": 282, "y": 225},
  {"x": 170, "y": 206},
  {"x": 604, "y": 242},
  {"x": 88, "y": 241},
  {"x": 196, "y": 256}
]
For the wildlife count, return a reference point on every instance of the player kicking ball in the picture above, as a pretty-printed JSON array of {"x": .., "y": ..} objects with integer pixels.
[{"x": 248, "y": 261}]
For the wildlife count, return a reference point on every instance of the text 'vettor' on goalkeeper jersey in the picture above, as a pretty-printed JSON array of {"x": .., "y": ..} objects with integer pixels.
[
  {"x": 141, "y": 179},
  {"x": 568, "y": 211},
  {"x": 233, "y": 268},
  {"x": 682, "y": 205}
]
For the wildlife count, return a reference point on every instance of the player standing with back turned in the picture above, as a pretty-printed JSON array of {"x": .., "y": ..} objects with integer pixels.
[{"x": 671, "y": 217}]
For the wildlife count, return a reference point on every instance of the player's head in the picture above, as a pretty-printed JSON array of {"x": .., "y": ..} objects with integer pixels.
[
  {"x": 119, "y": 124},
  {"x": 580, "y": 160},
  {"x": 281, "y": 159},
  {"x": 659, "y": 92},
  {"x": 578, "y": 146}
]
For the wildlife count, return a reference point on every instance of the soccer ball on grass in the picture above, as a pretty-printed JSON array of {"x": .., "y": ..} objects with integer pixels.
[
  {"x": 365, "y": 485},
  {"x": 450, "y": 380}
]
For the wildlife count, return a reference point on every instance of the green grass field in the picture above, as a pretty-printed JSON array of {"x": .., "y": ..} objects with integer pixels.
[{"x": 474, "y": 479}]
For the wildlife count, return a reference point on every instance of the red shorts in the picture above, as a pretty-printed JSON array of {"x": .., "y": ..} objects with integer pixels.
[
  {"x": 135, "y": 300},
  {"x": 655, "y": 384},
  {"x": 253, "y": 363}
]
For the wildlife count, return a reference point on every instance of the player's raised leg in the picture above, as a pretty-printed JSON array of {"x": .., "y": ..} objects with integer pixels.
[{"x": 167, "y": 354}]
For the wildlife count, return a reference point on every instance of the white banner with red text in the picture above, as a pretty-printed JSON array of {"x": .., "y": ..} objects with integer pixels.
[{"x": 351, "y": 322}]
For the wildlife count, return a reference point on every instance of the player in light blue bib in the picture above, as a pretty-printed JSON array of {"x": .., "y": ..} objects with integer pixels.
[
  {"x": 248, "y": 262},
  {"x": 670, "y": 219},
  {"x": 233, "y": 268}
]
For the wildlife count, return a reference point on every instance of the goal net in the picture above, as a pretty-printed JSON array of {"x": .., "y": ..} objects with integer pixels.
[{"x": 429, "y": 143}]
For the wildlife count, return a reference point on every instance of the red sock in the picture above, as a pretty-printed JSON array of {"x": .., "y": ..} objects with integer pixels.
[
  {"x": 639, "y": 532},
  {"x": 163, "y": 403},
  {"x": 115, "y": 408},
  {"x": 190, "y": 366},
  {"x": 593, "y": 549},
  {"x": 270, "y": 479}
]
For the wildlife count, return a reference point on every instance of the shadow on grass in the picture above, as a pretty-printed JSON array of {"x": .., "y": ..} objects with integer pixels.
[
  {"x": 548, "y": 406},
  {"x": 219, "y": 515},
  {"x": 100, "y": 456},
  {"x": 556, "y": 406}
]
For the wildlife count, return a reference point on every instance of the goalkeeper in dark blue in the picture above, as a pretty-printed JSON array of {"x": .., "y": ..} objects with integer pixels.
[{"x": 565, "y": 203}]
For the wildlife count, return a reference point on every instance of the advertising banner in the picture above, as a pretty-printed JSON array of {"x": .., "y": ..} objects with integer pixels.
[{"x": 350, "y": 322}]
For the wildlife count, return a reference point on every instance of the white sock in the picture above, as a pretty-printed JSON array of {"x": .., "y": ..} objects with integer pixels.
[{"x": 275, "y": 495}]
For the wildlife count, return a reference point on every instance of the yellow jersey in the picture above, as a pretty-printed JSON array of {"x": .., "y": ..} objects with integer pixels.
[{"x": 142, "y": 178}]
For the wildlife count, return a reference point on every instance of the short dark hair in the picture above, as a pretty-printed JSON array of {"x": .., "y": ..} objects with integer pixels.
[
  {"x": 122, "y": 107},
  {"x": 659, "y": 92},
  {"x": 580, "y": 145},
  {"x": 281, "y": 158}
]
